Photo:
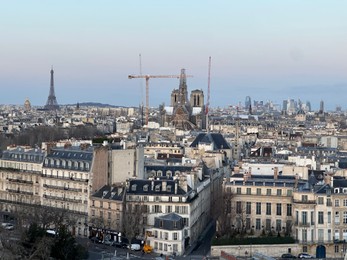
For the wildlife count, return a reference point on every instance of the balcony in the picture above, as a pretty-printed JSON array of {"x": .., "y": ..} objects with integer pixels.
[
  {"x": 20, "y": 181},
  {"x": 64, "y": 178},
  {"x": 20, "y": 192},
  {"x": 304, "y": 201},
  {"x": 304, "y": 224},
  {"x": 61, "y": 188},
  {"x": 62, "y": 199}
]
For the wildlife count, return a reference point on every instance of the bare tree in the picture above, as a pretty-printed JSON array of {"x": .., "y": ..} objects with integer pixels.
[
  {"x": 133, "y": 219},
  {"x": 224, "y": 219}
]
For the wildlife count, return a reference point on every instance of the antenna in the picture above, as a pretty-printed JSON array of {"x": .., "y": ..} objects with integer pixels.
[{"x": 208, "y": 94}]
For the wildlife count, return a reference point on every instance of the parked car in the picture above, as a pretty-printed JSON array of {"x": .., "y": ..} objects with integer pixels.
[
  {"x": 7, "y": 226},
  {"x": 305, "y": 255},
  {"x": 288, "y": 256},
  {"x": 135, "y": 247},
  {"x": 121, "y": 244}
]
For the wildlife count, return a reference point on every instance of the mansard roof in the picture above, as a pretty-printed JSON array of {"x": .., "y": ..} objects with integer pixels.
[
  {"x": 110, "y": 193},
  {"x": 72, "y": 153},
  {"x": 154, "y": 187},
  {"x": 216, "y": 138},
  {"x": 21, "y": 154},
  {"x": 171, "y": 221},
  {"x": 72, "y": 158}
]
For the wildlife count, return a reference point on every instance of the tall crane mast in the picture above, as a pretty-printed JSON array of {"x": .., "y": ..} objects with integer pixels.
[{"x": 147, "y": 77}]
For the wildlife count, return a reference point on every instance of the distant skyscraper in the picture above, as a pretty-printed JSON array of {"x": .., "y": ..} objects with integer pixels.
[
  {"x": 52, "y": 103},
  {"x": 308, "y": 105},
  {"x": 285, "y": 105},
  {"x": 321, "y": 107},
  {"x": 248, "y": 102}
]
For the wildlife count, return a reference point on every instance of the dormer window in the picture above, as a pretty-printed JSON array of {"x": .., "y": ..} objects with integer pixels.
[
  {"x": 145, "y": 187},
  {"x": 344, "y": 190},
  {"x": 133, "y": 187},
  {"x": 157, "y": 188},
  {"x": 168, "y": 188},
  {"x": 336, "y": 190}
]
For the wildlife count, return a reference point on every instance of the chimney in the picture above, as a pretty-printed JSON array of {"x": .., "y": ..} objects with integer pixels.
[
  {"x": 245, "y": 176},
  {"x": 164, "y": 186},
  {"x": 327, "y": 179},
  {"x": 275, "y": 173},
  {"x": 176, "y": 186},
  {"x": 152, "y": 183}
]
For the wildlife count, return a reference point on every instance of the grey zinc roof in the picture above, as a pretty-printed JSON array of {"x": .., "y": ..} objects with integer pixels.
[
  {"x": 34, "y": 155},
  {"x": 217, "y": 139},
  {"x": 171, "y": 221},
  {"x": 72, "y": 153},
  {"x": 145, "y": 187},
  {"x": 110, "y": 193}
]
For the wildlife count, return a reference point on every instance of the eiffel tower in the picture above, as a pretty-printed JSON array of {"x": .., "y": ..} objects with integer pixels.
[{"x": 52, "y": 103}]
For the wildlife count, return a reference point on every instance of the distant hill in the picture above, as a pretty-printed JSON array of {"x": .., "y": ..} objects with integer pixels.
[{"x": 92, "y": 104}]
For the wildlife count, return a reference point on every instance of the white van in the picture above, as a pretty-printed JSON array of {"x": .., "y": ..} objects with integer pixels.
[{"x": 135, "y": 247}]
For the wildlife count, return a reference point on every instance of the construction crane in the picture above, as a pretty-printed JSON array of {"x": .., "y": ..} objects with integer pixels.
[{"x": 147, "y": 77}]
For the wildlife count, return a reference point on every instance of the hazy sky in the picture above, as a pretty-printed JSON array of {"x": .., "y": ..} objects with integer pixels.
[{"x": 269, "y": 50}]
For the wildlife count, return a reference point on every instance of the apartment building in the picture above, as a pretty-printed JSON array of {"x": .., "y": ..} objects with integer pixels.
[
  {"x": 106, "y": 212},
  {"x": 69, "y": 176},
  {"x": 20, "y": 179},
  {"x": 172, "y": 195},
  {"x": 262, "y": 204}
]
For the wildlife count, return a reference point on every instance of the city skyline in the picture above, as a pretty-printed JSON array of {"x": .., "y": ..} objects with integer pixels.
[{"x": 268, "y": 51}]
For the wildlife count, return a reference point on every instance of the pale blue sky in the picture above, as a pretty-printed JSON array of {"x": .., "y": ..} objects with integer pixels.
[{"x": 269, "y": 50}]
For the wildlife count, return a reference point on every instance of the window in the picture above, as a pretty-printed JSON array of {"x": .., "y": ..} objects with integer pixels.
[
  {"x": 320, "y": 200},
  {"x": 279, "y": 192},
  {"x": 279, "y": 209},
  {"x": 249, "y": 191},
  {"x": 289, "y": 192},
  {"x": 320, "y": 217},
  {"x": 258, "y": 208},
  {"x": 238, "y": 191},
  {"x": 304, "y": 235},
  {"x": 304, "y": 217},
  {"x": 248, "y": 223},
  {"x": 238, "y": 207},
  {"x": 268, "y": 208},
  {"x": 175, "y": 237},
  {"x": 248, "y": 207},
  {"x": 337, "y": 250},
  {"x": 268, "y": 224},
  {"x": 312, "y": 218},
  {"x": 304, "y": 198},
  {"x": 337, "y": 217},
  {"x": 258, "y": 191},
  {"x": 345, "y": 217},
  {"x": 268, "y": 191},
  {"x": 329, "y": 202},
  {"x": 257, "y": 224},
  {"x": 157, "y": 188},
  {"x": 337, "y": 203},
  {"x": 278, "y": 225},
  {"x": 175, "y": 247},
  {"x": 345, "y": 202},
  {"x": 109, "y": 215},
  {"x": 157, "y": 208},
  {"x": 166, "y": 235},
  {"x": 289, "y": 210},
  {"x": 329, "y": 217},
  {"x": 145, "y": 187}
]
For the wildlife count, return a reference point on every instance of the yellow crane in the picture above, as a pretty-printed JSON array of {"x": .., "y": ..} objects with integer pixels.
[{"x": 147, "y": 77}]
